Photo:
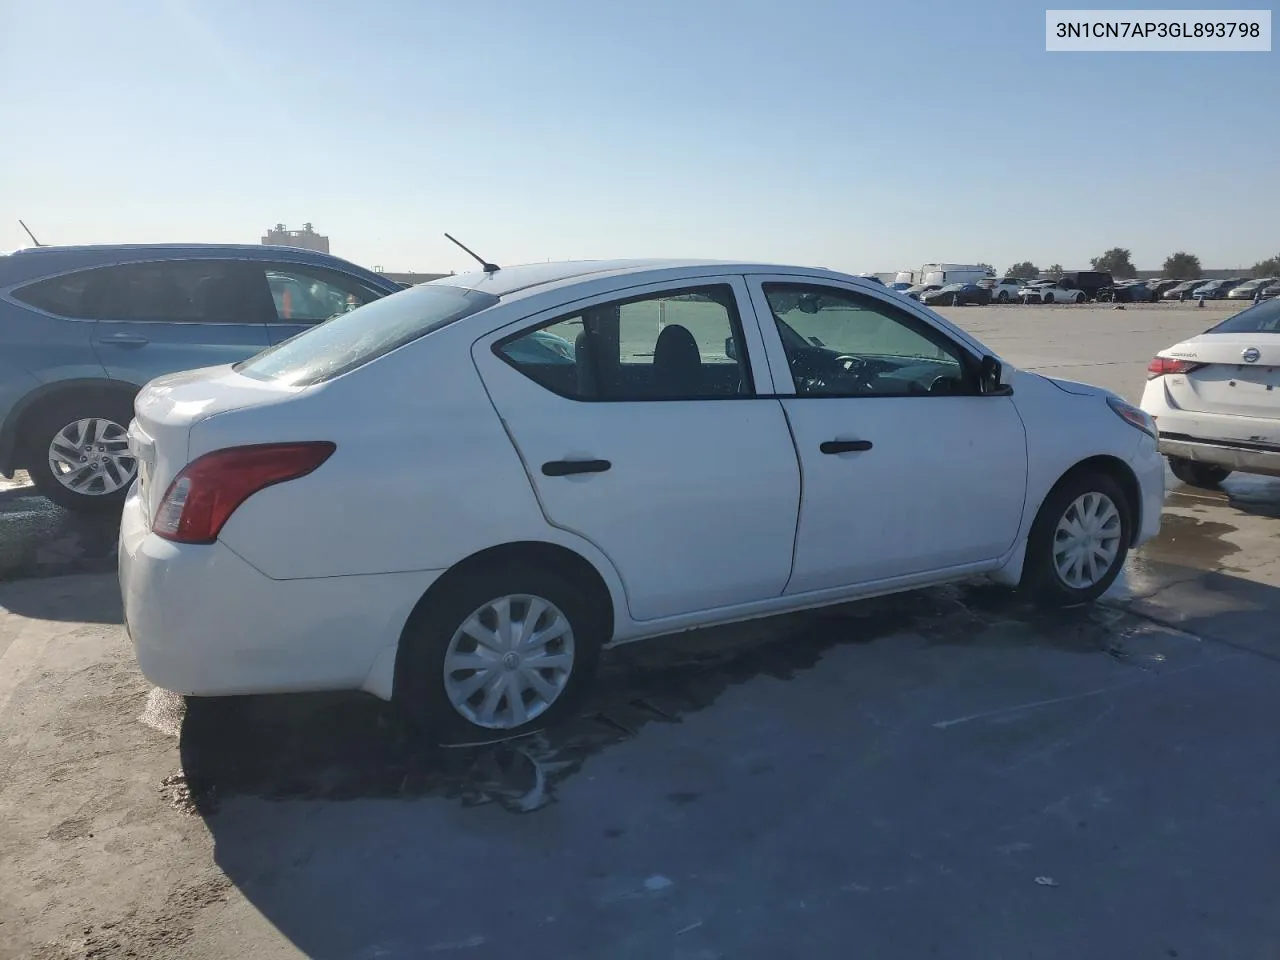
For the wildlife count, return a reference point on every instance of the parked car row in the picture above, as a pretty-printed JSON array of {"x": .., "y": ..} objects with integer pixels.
[
  {"x": 1234, "y": 288},
  {"x": 1086, "y": 286}
]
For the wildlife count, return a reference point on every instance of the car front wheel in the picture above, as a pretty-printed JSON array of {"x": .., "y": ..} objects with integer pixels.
[
  {"x": 502, "y": 652},
  {"x": 1195, "y": 474},
  {"x": 1078, "y": 542},
  {"x": 79, "y": 452},
  {"x": 1004, "y": 296}
]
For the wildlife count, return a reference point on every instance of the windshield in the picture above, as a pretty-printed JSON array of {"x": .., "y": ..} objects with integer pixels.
[
  {"x": 351, "y": 340},
  {"x": 1263, "y": 318}
]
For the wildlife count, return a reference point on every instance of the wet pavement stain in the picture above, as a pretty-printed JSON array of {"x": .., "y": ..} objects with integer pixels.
[
  {"x": 353, "y": 746},
  {"x": 40, "y": 539},
  {"x": 1189, "y": 541}
]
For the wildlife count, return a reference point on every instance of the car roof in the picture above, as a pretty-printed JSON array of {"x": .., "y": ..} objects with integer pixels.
[
  {"x": 531, "y": 278},
  {"x": 33, "y": 262},
  {"x": 47, "y": 250}
]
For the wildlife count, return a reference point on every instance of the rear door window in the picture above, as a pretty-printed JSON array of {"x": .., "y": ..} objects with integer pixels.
[
  {"x": 183, "y": 291},
  {"x": 682, "y": 344}
]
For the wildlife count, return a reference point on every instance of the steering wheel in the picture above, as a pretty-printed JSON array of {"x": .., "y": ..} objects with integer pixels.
[{"x": 850, "y": 362}]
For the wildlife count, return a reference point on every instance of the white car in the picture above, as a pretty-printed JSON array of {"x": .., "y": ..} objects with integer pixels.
[
  {"x": 1003, "y": 289},
  {"x": 409, "y": 501},
  {"x": 1049, "y": 291},
  {"x": 1216, "y": 399}
]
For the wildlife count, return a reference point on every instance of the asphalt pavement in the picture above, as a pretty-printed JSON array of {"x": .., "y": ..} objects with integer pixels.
[{"x": 948, "y": 773}]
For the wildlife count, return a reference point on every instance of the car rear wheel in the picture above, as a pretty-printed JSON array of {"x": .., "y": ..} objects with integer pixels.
[
  {"x": 1048, "y": 298},
  {"x": 499, "y": 653},
  {"x": 1195, "y": 474},
  {"x": 1078, "y": 542},
  {"x": 78, "y": 452}
]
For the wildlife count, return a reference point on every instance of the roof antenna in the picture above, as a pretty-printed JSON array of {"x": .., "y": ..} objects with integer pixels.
[
  {"x": 484, "y": 264},
  {"x": 33, "y": 236}
]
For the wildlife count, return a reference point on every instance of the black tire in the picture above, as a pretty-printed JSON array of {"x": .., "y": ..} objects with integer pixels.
[
  {"x": 1194, "y": 474},
  {"x": 1003, "y": 296},
  {"x": 420, "y": 684},
  {"x": 1048, "y": 298},
  {"x": 1041, "y": 580},
  {"x": 44, "y": 427}
]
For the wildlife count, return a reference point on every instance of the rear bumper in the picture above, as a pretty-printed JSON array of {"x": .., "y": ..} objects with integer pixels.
[
  {"x": 204, "y": 622},
  {"x": 1222, "y": 454}
]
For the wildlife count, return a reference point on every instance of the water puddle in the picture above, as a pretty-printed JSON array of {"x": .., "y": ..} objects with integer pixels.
[{"x": 1189, "y": 542}]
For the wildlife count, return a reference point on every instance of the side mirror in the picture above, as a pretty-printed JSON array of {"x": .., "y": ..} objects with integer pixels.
[
  {"x": 990, "y": 377},
  {"x": 731, "y": 348}
]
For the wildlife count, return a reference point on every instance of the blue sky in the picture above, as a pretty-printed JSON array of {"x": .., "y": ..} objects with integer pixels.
[{"x": 812, "y": 131}]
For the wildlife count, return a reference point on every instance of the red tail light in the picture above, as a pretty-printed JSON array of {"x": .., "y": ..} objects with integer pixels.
[
  {"x": 1161, "y": 366},
  {"x": 209, "y": 489}
]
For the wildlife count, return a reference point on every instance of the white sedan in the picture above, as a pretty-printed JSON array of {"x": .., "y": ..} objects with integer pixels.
[
  {"x": 409, "y": 500},
  {"x": 1216, "y": 399}
]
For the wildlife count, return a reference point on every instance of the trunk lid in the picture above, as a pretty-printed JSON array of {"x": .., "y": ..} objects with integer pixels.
[
  {"x": 1236, "y": 373},
  {"x": 168, "y": 407}
]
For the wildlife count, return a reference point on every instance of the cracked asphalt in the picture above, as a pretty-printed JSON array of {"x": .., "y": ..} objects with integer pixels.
[{"x": 948, "y": 773}]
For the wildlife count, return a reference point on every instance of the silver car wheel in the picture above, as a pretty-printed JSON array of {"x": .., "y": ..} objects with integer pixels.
[
  {"x": 1087, "y": 540},
  {"x": 91, "y": 457},
  {"x": 509, "y": 661}
]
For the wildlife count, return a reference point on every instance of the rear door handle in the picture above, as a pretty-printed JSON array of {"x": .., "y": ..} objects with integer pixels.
[
  {"x": 845, "y": 446},
  {"x": 126, "y": 340},
  {"x": 565, "y": 468}
]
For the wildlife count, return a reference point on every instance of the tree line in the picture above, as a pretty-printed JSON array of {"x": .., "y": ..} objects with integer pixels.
[{"x": 1118, "y": 262}]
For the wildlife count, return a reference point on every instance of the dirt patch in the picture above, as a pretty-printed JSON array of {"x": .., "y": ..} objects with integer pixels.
[{"x": 161, "y": 934}]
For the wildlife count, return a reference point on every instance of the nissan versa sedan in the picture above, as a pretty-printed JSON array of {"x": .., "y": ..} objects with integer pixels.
[
  {"x": 410, "y": 500},
  {"x": 1216, "y": 399}
]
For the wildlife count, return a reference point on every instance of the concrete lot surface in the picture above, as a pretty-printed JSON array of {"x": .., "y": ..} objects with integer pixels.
[{"x": 947, "y": 773}]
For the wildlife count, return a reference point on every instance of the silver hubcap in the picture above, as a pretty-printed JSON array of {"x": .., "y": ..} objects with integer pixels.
[
  {"x": 509, "y": 661},
  {"x": 1087, "y": 541},
  {"x": 91, "y": 457}
]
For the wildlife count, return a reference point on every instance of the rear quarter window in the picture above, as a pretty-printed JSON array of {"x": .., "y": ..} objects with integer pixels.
[
  {"x": 350, "y": 340},
  {"x": 62, "y": 296}
]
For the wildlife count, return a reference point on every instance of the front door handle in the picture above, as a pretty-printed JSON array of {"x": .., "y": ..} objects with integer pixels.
[
  {"x": 126, "y": 340},
  {"x": 565, "y": 468},
  {"x": 845, "y": 446}
]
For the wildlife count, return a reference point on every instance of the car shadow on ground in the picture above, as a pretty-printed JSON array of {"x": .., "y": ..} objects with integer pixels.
[
  {"x": 365, "y": 878},
  {"x": 353, "y": 746}
]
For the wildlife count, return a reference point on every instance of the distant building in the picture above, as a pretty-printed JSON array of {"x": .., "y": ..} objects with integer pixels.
[{"x": 306, "y": 238}]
